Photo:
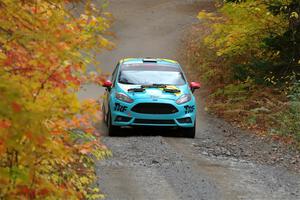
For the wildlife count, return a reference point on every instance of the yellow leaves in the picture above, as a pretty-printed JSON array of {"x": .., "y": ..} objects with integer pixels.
[
  {"x": 257, "y": 9},
  {"x": 84, "y": 180},
  {"x": 42, "y": 64},
  {"x": 219, "y": 53},
  {"x": 241, "y": 28},
  {"x": 2, "y": 56},
  {"x": 104, "y": 42},
  {"x": 84, "y": 17},
  {"x": 33, "y": 62},
  {"x": 204, "y": 15},
  {"x": 294, "y": 15}
]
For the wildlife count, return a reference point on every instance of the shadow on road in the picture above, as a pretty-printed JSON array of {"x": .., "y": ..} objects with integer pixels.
[{"x": 141, "y": 131}]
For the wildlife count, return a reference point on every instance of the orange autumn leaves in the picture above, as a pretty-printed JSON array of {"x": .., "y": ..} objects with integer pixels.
[
  {"x": 4, "y": 123},
  {"x": 47, "y": 137}
]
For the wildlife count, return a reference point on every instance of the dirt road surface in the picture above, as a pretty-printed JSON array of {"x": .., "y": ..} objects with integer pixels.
[{"x": 220, "y": 163}]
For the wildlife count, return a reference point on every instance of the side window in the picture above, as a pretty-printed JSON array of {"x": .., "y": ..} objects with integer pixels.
[{"x": 114, "y": 74}]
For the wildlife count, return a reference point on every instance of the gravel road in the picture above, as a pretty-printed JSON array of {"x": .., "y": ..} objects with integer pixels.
[{"x": 222, "y": 162}]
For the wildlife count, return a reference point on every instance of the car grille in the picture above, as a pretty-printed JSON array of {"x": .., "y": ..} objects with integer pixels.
[
  {"x": 154, "y": 121},
  {"x": 154, "y": 108}
]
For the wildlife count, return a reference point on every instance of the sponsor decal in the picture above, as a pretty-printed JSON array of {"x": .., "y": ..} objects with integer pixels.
[
  {"x": 119, "y": 107},
  {"x": 189, "y": 109},
  {"x": 175, "y": 89}
]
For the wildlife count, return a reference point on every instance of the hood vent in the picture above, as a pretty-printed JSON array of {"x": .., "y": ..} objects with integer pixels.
[{"x": 149, "y": 60}]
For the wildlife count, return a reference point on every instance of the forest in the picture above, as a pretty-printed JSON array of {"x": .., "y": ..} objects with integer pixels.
[{"x": 247, "y": 52}]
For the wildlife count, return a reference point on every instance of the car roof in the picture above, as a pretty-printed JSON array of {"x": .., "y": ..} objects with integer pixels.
[{"x": 160, "y": 61}]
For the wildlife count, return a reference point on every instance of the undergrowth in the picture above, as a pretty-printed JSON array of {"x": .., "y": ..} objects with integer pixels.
[{"x": 268, "y": 109}]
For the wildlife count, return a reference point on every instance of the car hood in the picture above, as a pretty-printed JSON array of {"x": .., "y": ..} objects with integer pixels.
[{"x": 153, "y": 93}]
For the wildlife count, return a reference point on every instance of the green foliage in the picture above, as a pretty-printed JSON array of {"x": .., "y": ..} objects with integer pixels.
[
  {"x": 289, "y": 120},
  {"x": 287, "y": 44},
  {"x": 294, "y": 92},
  {"x": 250, "y": 60},
  {"x": 235, "y": 92},
  {"x": 239, "y": 33},
  {"x": 256, "y": 36}
]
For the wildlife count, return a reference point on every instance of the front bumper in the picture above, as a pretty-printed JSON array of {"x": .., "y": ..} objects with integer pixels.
[{"x": 122, "y": 114}]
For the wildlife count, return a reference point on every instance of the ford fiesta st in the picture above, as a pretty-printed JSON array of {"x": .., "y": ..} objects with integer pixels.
[{"x": 149, "y": 92}]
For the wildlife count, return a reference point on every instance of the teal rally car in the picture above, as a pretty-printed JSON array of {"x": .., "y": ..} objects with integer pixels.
[{"x": 149, "y": 92}]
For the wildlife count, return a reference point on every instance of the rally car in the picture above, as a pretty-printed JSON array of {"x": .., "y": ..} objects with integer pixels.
[{"x": 149, "y": 92}]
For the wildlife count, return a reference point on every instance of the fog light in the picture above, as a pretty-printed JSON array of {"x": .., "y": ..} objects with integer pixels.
[
  {"x": 122, "y": 119},
  {"x": 185, "y": 120}
]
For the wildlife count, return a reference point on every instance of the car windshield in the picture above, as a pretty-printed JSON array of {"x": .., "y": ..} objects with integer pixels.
[{"x": 151, "y": 75}]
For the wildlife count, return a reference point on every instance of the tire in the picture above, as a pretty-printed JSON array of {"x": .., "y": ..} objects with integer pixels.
[
  {"x": 104, "y": 116},
  {"x": 189, "y": 132},
  {"x": 112, "y": 130}
]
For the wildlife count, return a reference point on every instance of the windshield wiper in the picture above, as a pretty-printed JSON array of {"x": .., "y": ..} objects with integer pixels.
[
  {"x": 136, "y": 90},
  {"x": 143, "y": 87},
  {"x": 154, "y": 86}
]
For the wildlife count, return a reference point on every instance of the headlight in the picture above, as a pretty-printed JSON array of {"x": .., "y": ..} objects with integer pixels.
[
  {"x": 123, "y": 97},
  {"x": 184, "y": 98}
]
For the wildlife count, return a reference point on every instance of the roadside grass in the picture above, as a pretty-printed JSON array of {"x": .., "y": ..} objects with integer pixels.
[{"x": 267, "y": 110}]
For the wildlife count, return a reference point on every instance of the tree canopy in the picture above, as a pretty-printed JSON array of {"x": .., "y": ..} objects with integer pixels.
[{"x": 259, "y": 35}]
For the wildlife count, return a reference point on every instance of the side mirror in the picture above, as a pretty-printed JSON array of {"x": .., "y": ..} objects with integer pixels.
[
  {"x": 107, "y": 84},
  {"x": 194, "y": 86}
]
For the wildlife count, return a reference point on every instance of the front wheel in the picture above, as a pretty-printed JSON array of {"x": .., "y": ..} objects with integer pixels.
[
  {"x": 189, "y": 132},
  {"x": 112, "y": 130},
  {"x": 104, "y": 115}
]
